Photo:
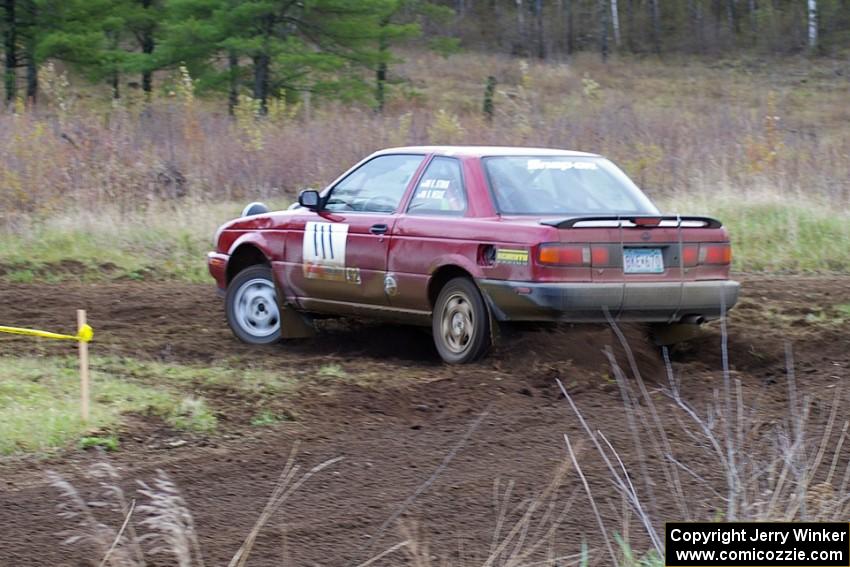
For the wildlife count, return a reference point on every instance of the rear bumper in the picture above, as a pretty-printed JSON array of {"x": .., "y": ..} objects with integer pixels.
[{"x": 587, "y": 302}]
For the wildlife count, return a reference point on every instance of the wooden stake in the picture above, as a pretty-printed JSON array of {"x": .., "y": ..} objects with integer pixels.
[{"x": 84, "y": 368}]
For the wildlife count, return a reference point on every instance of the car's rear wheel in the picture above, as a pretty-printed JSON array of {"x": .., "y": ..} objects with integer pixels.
[
  {"x": 460, "y": 322},
  {"x": 251, "y": 306}
]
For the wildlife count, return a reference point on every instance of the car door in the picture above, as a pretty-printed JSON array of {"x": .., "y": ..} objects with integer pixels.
[
  {"x": 432, "y": 227},
  {"x": 341, "y": 250}
]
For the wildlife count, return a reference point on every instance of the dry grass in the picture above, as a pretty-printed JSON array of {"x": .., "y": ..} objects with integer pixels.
[
  {"x": 157, "y": 521},
  {"x": 754, "y": 467},
  {"x": 678, "y": 127}
]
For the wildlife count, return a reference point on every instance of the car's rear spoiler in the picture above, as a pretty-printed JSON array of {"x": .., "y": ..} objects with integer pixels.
[{"x": 643, "y": 221}]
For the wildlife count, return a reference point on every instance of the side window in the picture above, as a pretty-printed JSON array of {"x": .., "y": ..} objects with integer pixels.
[
  {"x": 441, "y": 190},
  {"x": 377, "y": 186}
]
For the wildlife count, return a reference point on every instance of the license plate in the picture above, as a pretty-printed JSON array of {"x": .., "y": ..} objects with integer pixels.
[{"x": 643, "y": 261}]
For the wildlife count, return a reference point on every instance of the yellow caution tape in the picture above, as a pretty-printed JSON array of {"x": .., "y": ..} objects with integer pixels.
[{"x": 85, "y": 334}]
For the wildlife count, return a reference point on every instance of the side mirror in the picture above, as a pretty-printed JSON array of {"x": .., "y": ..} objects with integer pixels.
[{"x": 309, "y": 199}]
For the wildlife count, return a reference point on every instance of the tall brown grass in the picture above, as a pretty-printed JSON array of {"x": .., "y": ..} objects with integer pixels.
[
  {"x": 161, "y": 524},
  {"x": 677, "y": 127},
  {"x": 752, "y": 466}
]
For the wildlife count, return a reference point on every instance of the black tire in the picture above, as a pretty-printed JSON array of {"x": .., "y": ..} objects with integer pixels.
[
  {"x": 251, "y": 306},
  {"x": 460, "y": 322}
]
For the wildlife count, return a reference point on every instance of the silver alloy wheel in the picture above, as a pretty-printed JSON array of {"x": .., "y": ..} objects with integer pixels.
[
  {"x": 255, "y": 308},
  {"x": 457, "y": 323}
]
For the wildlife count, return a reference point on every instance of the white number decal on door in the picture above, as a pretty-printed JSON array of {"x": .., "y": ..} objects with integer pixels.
[{"x": 323, "y": 252}]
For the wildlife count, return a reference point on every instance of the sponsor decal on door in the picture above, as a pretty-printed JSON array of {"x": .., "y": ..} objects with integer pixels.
[{"x": 323, "y": 253}]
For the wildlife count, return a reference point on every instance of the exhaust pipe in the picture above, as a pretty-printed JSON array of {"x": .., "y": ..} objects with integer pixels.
[{"x": 688, "y": 327}]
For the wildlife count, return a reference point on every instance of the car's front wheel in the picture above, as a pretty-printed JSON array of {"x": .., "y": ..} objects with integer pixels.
[
  {"x": 460, "y": 322},
  {"x": 251, "y": 306}
]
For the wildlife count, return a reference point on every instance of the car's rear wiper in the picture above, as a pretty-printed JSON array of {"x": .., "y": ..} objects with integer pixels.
[{"x": 637, "y": 220}]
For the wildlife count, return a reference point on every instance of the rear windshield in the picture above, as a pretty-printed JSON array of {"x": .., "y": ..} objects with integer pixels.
[{"x": 528, "y": 185}]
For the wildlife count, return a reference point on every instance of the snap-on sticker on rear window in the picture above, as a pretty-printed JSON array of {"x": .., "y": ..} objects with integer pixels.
[{"x": 536, "y": 164}]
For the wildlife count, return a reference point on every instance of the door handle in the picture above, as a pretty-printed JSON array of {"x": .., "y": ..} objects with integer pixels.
[{"x": 378, "y": 229}]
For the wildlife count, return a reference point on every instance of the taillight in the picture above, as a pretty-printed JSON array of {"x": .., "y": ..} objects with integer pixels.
[
  {"x": 600, "y": 256},
  {"x": 717, "y": 254},
  {"x": 564, "y": 254},
  {"x": 690, "y": 255}
]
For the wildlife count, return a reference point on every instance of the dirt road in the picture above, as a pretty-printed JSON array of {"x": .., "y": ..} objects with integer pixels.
[{"x": 395, "y": 435}]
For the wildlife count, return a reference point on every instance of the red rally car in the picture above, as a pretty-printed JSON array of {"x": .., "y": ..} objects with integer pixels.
[{"x": 464, "y": 238}]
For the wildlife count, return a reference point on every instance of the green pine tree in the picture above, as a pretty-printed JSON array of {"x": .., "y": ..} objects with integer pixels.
[
  {"x": 103, "y": 39},
  {"x": 23, "y": 24},
  {"x": 287, "y": 47}
]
